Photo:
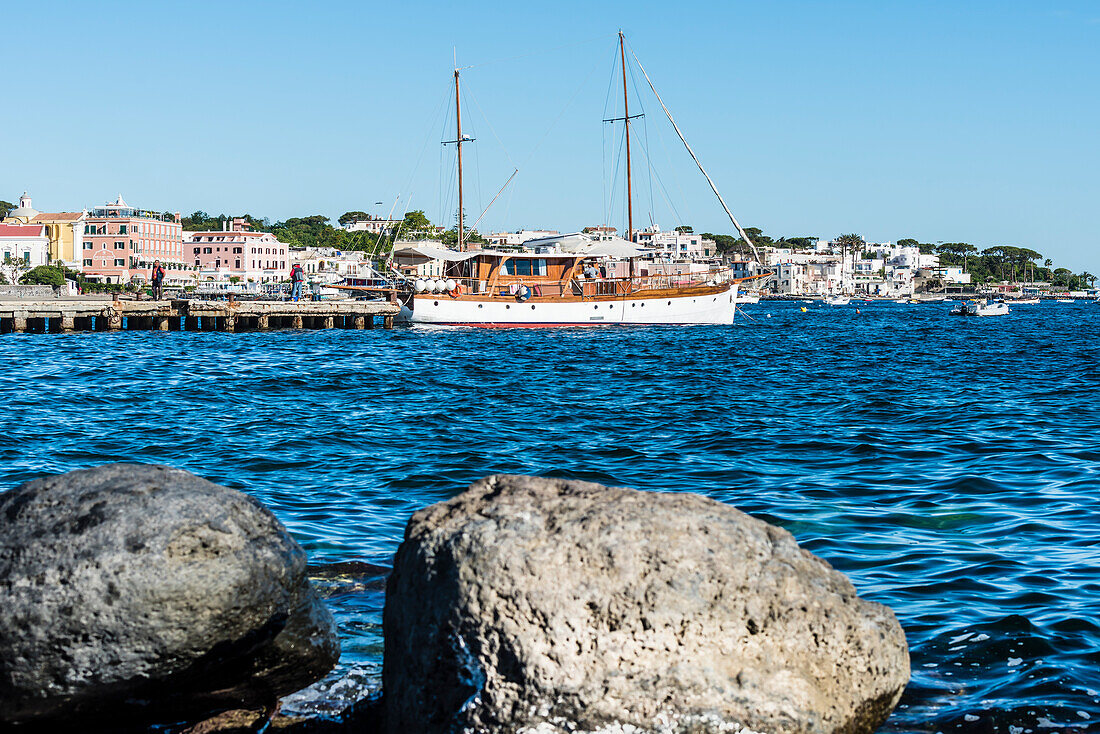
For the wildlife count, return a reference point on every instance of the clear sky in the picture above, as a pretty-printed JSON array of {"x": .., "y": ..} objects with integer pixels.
[{"x": 944, "y": 121}]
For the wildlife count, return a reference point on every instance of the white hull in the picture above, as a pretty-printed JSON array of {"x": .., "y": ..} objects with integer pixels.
[{"x": 440, "y": 309}]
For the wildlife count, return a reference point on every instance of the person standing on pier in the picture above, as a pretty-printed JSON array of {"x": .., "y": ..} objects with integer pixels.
[
  {"x": 297, "y": 275},
  {"x": 158, "y": 281}
]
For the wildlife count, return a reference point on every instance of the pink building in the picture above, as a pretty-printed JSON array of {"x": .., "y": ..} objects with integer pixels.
[
  {"x": 121, "y": 243},
  {"x": 253, "y": 257}
]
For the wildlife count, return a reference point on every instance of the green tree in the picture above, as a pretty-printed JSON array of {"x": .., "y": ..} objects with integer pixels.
[
  {"x": 908, "y": 242},
  {"x": 5, "y": 208},
  {"x": 417, "y": 222},
  {"x": 686, "y": 229},
  {"x": 348, "y": 217},
  {"x": 853, "y": 241},
  {"x": 44, "y": 275}
]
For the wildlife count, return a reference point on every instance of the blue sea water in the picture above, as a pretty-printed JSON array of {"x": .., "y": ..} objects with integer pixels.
[{"x": 951, "y": 467}]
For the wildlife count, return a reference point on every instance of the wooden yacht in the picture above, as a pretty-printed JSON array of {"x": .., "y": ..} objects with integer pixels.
[{"x": 574, "y": 280}]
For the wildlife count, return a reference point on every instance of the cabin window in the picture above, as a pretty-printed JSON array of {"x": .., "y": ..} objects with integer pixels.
[{"x": 525, "y": 267}]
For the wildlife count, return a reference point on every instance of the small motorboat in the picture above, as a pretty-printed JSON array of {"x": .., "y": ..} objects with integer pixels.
[
  {"x": 980, "y": 308},
  {"x": 901, "y": 300},
  {"x": 1026, "y": 302},
  {"x": 1066, "y": 300},
  {"x": 837, "y": 300}
]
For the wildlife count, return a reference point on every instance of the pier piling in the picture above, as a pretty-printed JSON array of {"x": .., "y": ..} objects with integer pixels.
[{"x": 96, "y": 315}]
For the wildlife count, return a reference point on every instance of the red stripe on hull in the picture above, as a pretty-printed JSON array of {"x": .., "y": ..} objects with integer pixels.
[{"x": 547, "y": 325}]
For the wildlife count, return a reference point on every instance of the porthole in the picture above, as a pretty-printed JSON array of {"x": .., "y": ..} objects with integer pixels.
[
  {"x": 596, "y": 307},
  {"x": 715, "y": 298},
  {"x": 643, "y": 305},
  {"x": 633, "y": 305},
  {"x": 436, "y": 303},
  {"x": 532, "y": 307},
  {"x": 481, "y": 305},
  {"x": 611, "y": 305},
  {"x": 507, "y": 306},
  {"x": 670, "y": 303}
]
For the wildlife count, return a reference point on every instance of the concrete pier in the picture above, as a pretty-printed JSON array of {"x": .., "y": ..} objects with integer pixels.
[{"x": 97, "y": 314}]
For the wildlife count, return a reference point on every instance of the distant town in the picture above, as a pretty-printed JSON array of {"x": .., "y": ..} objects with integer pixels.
[{"x": 113, "y": 246}]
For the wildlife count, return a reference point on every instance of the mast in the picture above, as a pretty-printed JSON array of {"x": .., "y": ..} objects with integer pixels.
[
  {"x": 458, "y": 142},
  {"x": 626, "y": 121}
]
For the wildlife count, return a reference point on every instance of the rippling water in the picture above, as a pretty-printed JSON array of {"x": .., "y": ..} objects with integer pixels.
[{"x": 951, "y": 467}]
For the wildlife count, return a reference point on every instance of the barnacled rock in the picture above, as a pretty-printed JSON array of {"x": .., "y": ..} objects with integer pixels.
[{"x": 549, "y": 606}]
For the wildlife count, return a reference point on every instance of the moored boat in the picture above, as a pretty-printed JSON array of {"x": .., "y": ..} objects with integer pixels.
[
  {"x": 980, "y": 308},
  {"x": 605, "y": 283}
]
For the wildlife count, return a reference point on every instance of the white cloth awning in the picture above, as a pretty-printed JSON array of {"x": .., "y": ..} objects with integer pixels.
[{"x": 433, "y": 252}]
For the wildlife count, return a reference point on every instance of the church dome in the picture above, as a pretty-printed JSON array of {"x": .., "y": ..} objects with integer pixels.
[{"x": 24, "y": 209}]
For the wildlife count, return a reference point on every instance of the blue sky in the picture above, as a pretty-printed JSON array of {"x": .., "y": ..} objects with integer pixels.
[{"x": 943, "y": 121}]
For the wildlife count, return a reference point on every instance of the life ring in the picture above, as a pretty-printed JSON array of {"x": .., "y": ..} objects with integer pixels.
[{"x": 456, "y": 291}]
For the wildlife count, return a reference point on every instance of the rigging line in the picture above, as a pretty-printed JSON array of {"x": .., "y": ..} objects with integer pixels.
[
  {"x": 649, "y": 164},
  {"x": 535, "y": 53},
  {"x": 474, "y": 225},
  {"x": 740, "y": 229},
  {"x": 615, "y": 175},
  {"x": 470, "y": 95},
  {"x": 427, "y": 142},
  {"x": 664, "y": 189},
  {"x": 553, "y": 123}
]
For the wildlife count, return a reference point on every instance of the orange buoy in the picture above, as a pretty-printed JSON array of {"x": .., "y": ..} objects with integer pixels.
[{"x": 456, "y": 291}]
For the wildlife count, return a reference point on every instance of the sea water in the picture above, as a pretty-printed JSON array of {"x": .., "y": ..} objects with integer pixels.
[{"x": 950, "y": 466}]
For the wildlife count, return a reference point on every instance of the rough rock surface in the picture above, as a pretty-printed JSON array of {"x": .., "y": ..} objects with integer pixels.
[
  {"x": 133, "y": 590},
  {"x": 541, "y": 605}
]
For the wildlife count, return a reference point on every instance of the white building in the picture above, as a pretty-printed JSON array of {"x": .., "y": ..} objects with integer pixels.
[
  {"x": 23, "y": 246},
  {"x": 236, "y": 252},
  {"x": 675, "y": 244},
  {"x": 517, "y": 238},
  {"x": 328, "y": 265},
  {"x": 374, "y": 226}
]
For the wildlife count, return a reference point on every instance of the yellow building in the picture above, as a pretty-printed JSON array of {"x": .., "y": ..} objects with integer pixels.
[{"x": 64, "y": 230}]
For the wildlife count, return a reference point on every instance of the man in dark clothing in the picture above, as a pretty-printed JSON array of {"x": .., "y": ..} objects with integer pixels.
[
  {"x": 158, "y": 281},
  {"x": 296, "y": 277}
]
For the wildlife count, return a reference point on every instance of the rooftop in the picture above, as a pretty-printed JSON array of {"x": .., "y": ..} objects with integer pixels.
[{"x": 21, "y": 230}]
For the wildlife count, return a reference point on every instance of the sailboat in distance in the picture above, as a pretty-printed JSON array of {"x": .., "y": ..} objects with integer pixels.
[{"x": 577, "y": 279}]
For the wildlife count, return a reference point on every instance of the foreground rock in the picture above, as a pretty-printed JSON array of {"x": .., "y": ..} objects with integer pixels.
[
  {"x": 543, "y": 605},
  {"x": 141, "y": 592}
]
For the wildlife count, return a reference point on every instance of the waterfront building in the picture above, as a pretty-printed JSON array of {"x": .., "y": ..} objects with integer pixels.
[
  {"x": 675, "y": 244},
  {"x": 22, "y": 247},
  {"x": 517, "y": 238},
  {"x": 237, "y": 252},
  {"x": 23, "y": 213},
  {"x": 64, "y": 231},
  {"x": 121, "y": 242},
  {"x": 328, "y": 265},
  {"x": 374, "y": 225}
]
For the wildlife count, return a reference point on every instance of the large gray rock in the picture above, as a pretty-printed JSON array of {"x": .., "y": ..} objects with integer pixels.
[
  {"x": 145, "y": 591},
  {"x": 542, "y": 605}
]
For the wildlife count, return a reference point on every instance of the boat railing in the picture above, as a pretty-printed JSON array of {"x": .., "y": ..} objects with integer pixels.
[{"x": 585, "y": 287}]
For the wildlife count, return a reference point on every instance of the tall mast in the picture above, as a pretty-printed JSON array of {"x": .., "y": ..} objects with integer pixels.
[
  {"x": 458, "y": 142},
  {"x": 626, "y": 121}
]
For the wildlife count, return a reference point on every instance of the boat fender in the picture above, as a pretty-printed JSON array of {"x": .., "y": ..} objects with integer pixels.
[{"x": 523, "y": 292}]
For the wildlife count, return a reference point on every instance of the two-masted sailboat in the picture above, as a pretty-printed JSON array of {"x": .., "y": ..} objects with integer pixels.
[{"x": 571, "y": 280}]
